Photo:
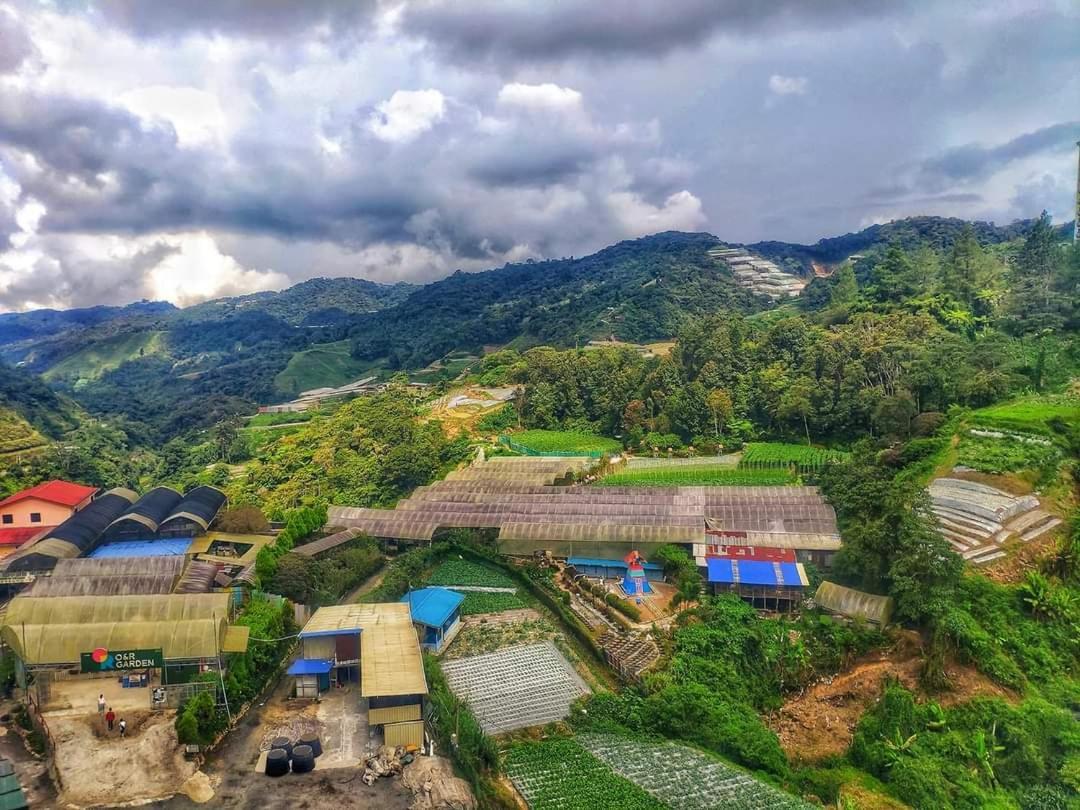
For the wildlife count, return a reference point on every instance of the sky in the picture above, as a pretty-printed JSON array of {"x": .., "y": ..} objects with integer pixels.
[{"x": 185, "y": 151}]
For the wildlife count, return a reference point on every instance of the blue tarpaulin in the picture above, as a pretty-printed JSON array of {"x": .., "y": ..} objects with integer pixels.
[
  {"x": 433, "y": 606},
  {"x": 309, "y": 666},
  {"x": 172, "y": 547},
  {"x": 578, "y": 562},
  {"x": 752, "y": 572}
]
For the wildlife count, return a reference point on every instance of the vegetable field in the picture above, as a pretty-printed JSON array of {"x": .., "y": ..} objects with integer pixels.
[
  {"x": 1010, "y": 454},
  {"x": 681, "y": 777},
  {"x": 561, "y": 774},
  {"x": 561, "y": 442},
  {"x": 485, "y": 602},
  {"x": 462, "y": 572},
  {"x": 1031, "y": 414},
  {"x": 704, "y": 476},
  {"x": 772, "y": 455}
]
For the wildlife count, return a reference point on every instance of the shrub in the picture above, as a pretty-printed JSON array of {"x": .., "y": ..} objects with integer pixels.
[
  {"x": 199, "y": 721},
  {"x": 243, "y": 520}
]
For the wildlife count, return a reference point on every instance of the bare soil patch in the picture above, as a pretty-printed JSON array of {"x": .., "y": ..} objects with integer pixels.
[{"x": 820, "y": 721}]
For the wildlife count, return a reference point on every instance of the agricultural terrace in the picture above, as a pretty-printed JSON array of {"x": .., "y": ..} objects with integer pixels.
[
  {"x": 682, "y": 777},
  {"x": 559, "y": 773},
  {"x": 1029, "y": 414},
  {"x": 562, "y": 441},
  {"x": 484, "y": 602},
  {"x": 771, "y": 455},
  {"x": 694, "y": 476},
  {"x": 463, "y": 572},
  {"x": 1009, "y": 453}
]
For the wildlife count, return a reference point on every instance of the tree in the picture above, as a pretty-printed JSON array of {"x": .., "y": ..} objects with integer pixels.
[
  {"x": 797, "y": 401},
  {"x": 721, "y": 408},
  {"x": 226, "y": 433},
  {"x": 845, "y": 289},
  {"x": 1033, "y": 300}
]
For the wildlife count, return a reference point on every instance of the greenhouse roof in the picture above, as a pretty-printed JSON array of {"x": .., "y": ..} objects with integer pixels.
[{"x": 856, "y": 604}]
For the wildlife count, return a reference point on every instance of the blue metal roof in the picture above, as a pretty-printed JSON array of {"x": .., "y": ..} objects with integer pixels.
[
  {"x": 576, "y": 561},
  {"x": 433, "y": 606},
  {"x": 172, "y": 547},
  {"x": 309, "y": 666},
  {"x": 752, "y": 572}
]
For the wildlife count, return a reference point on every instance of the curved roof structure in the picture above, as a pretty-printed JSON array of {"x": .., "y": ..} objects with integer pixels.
[
  {"x": 76, "y": 535},
  {"x": 150, "y": 510},
  {"x": 199, "y": 505},
  {"x": 856, "y": 604},
  {"x": 52, "y": 631}
]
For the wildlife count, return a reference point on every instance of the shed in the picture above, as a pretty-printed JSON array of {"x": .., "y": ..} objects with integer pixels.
[
  {"x": 766, "y": 585},
  {"x": 194, "y": 514},
  {"x": 613, "y": 569},
  {"x": 311, "y": 676},
  {"x": 145, "y": 515},
  {"x": 437, "y": 614},
  {"x": 854, "y": 604}
]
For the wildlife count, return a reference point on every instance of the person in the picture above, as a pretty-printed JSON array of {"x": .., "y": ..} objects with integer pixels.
[
  {"x": 101, "y": 703},
  {"x": 123, "y": 728},
  {"x": 110, "y": 718}
]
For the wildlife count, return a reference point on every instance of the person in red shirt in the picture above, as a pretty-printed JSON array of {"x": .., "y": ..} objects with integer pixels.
[{"x": 110, "y": 718}]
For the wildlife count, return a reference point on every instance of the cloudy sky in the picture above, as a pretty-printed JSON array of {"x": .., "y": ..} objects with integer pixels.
[{"x": 194, "y": 149}]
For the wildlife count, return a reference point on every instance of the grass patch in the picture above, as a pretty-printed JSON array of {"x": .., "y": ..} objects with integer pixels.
[
  {"x": 703, "y": 476},
  {"x": 463, "y": 572},
  {"x": 105, "y": 355},
  {"x": 484, "y": 602},
  {"x": 564, "y": 441},
  {"x": 1031, "y": 414},
  {"x": 274, "y": 419},
  {"x": 324, "y": 365}
]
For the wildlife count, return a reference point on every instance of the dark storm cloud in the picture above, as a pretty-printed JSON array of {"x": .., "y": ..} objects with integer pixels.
[
  {"x": 247, "y": 18},
  {"x": 976, "y": 161},
  {"x": 551, "y": 31}
]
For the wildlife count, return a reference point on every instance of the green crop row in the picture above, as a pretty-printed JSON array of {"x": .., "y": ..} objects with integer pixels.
[
  {"x": 564, "y": 441},
  {"x": 486, "y": 602},
  {"x": 704, "y": 476},
  {"x": 766, "y": 455},
  {"x": 559, "y": 773},
  {"x": 462, "y": 572}
]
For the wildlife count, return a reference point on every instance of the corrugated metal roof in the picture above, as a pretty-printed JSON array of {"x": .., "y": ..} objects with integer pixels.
[
  {"x": 64, "y": 493},
  {"x": 723, "y": 570},
  {"x": 309, "y": 666},
  {"x": 171, "y": 547},
  {"x": 433, "y": 606},
  {"x": 323, "y": 544},
  {"x": 596, "y": 561},
  {"x": 856, "y": 604}
]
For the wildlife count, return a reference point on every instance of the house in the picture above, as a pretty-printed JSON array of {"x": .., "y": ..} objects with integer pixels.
[
  {"x": 28, "y": 513},
  {"x": 436, "y": 612},
  {"x": 778, "y": 586}
]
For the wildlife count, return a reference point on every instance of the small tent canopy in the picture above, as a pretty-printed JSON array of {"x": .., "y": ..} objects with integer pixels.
[{"x": 856, "y": 604}]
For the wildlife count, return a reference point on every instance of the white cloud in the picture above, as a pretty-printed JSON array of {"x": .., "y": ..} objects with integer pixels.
[
  {"x": 636, "y": 217},
  {"x": 195, "y": 114},
  {"x": 545, "y": 96},
  {"x": 197, "y": 270},
  {"x": 788, "y": 85},
  {"x": 407, "y": 114}
]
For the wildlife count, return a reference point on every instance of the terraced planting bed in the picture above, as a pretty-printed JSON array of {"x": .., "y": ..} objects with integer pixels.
[
  {"x": 463, "y": 572},
  {"x": 563, "y": 441},
  {"x": 684, "y": 778},
  {"x": 486, "y": 602},
  {"x": 562, "y": 774},
  {"x": 1031, "y": 414},
  {"x": 516, "y": 687},
  {"x": 770, "y": 455},
  {"x": 692, "y": 476}
]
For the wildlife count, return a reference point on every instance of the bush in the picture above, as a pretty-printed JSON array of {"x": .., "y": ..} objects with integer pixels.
[
  {"x": 242, "y": 520},
  {"x": 199, "y": 721},
  {"x": 623, "y": 606}
]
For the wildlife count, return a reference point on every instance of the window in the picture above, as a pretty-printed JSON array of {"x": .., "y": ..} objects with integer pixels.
[
  {"x": 8, "y": 519},
  {"x": 35, "y": 517}
]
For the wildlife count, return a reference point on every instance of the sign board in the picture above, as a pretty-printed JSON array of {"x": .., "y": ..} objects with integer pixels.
[{"x": 104, "y": 660}]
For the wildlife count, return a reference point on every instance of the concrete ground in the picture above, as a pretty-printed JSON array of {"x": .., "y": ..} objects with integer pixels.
[{"x": 78, "y": 697}]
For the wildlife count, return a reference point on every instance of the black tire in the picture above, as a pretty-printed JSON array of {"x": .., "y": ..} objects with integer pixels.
[
  {"x": 277, "y": 762},
  {"x": 312, "y": 742},
  {"x": 303, "y": 760}
]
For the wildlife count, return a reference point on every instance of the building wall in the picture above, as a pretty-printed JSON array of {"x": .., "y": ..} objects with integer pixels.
[
  {"x": 52, "y": 514},
  {"x": 319, "y": 647}
]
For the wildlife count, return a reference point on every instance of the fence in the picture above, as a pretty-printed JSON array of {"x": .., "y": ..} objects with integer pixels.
[
  {"x": 528, "y": 451},
  {"x": 177, "y": 693}
]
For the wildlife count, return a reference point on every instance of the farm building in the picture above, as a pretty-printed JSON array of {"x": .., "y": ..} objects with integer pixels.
[
  {"x": 34, "y": 511},
  {"x": 765, "y": 585},
  {"x": 193, "y": 515},
  {"x": 78, "y": 646},
  {"x": 516, "y": 499},
  {"x": 854, "y": 604},
  {"x": 436, "y": 612},
  {"x": 143, "y": 517},
  {"x": 73, "y": 537},
  {"x": 378, "y": 643}
]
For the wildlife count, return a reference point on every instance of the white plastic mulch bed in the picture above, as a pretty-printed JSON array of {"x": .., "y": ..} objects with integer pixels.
[
  {"x": 516, "y": 687},
  {"x": 681, "y": 777}
]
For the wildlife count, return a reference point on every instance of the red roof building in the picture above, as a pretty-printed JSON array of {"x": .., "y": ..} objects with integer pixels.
[{"x": 26, "y": 514}]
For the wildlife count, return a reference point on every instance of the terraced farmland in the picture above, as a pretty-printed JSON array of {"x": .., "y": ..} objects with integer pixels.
[
  {"x": 463, "y": 572},
  {"x": 772, "y": 455},
  {"x": 485, "y": 602},
  {"x": 562, "y": 441},
  {"x": 692, "y": 476},
  {"x": 561, "y": 774},
  {"x": 684, "y": 778}
]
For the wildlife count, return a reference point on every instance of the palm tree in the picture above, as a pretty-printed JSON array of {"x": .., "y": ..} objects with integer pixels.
[{"x": 1036, "y": 593}]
